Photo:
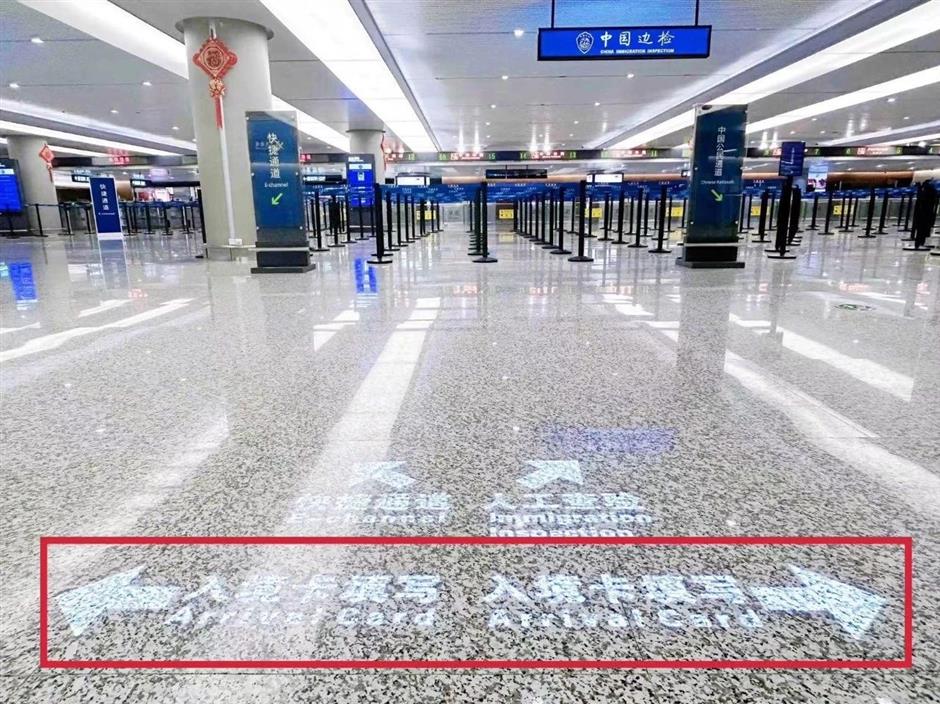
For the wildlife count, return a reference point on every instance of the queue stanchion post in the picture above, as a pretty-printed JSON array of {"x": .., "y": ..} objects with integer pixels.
[
  {"x": 901, "y": 211},
  {"x": 869, "y": 216},
  {"x": 646, "y": 214},
  {"x": 812, "y": 219},
  {"x": 911, "y": 206},
  {"x": 796, "y": 212},
  {"x": 590, "y": 214},
  {"x": 317, "y": 223},
  {"x": 750, "y": 207},
  {"x": 476, "y": 235},
  {"x": 335, "y": 224},
  {"x": 605, "y": 228},
  {"x": 762, "y": 217},
  {"x": 620, "y": 204},
  {"x": 827, "y": 220},
  {"x": 660, "y": 247},
  {"x": 741, "y": 214},
  {"x": 414, "y": 222},
  {"x": 573, "y": 204},
  {"x": 882, "y": 216},
  {"x": 858, "y": 200},
  {"x": 636, "y": 244},
  {"x": 669, "y": 214},
  {"x": 378, "y": 257},
  {"x": 550, "y": 222},
  {"x": 582, "y": 198},
  {"x": 779, "y": 250},
  {"x": 388, "y": 223},
  {"x": 484, "y": 257},
  {"x": 560, "y": 249},
  {"x": 398, "y": 239}
]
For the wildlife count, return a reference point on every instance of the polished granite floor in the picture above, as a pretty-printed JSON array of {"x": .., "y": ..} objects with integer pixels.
[{"x": 147, "y": 393}]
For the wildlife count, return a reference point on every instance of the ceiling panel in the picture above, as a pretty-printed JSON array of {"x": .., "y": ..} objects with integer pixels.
[{"x": 453, "y": 59}]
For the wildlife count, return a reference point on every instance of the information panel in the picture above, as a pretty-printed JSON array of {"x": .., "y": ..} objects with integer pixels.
[
  {"x": 104, "y": 206},
  {"x": 592, "y": 43},
  {"x": 10, "y": 199},
  {"x": 276, "y": 178},
  {"x": 715, "y": 189},
  {"x": 791, "y": 158}
]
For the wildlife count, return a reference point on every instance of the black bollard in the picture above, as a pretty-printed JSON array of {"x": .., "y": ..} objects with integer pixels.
[
  {"x": 549, "y": 243},
  {"x": 762, "y": 217},
  {"x": 646, "y": 215},
  {"x": 779, "y": 250},
  {"x": 883, "y": 214},
  {"x": 317, "y": 225},
  {"x": 868, "y": 216},
  {"x": 661, "y": 224},
  {"x": 334, "y": 221},
  {"x": 620, "y": 204},
  {"x": 398, "y": 240},
  {"x": 388, "y": 217},
  {"x": 828, "y": 221},
  {"x": 590, "y": 215},
  {"x": 484, "y": 257},
  {"x": 582, "y": 198},
  {"x": 605, "y": 220},
  {"x": 796, "y": 212},
  {"x": 560, "y": 249},
  {"x": 378, "y": 230},
  {"x": 639, "y": 220},
  {"x": 812, "y": 219}
]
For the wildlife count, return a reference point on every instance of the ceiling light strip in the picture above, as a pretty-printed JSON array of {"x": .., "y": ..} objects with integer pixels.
[
  {"x": 903, "y": 28},
  {"x": 887, "y": 132},
  {"x": 918, "y": 79},
  {"x": 59, "y": 149},
  {"x": 333, "y": 32},
  {"x": 7, "y": 126},
  {"x": 113, "y": 25}
]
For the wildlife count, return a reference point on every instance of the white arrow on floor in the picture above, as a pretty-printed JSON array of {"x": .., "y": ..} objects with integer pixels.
[
  {"x": 548, "y": 471},
  {"x": 383, "y": 472},
  {"x": 854, "y": 608},
  {"x": 82, "y": 606}
]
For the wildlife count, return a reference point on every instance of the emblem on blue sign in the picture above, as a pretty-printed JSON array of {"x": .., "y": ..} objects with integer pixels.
[{"x": 585, "y": 42}]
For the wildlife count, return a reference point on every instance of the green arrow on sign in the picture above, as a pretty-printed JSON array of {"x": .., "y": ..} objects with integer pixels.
[
  {"x": 275, "y": 200},
  {"x": 718, "y": 196}
]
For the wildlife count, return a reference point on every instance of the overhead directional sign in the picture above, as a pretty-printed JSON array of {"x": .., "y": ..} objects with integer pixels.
[
  {"x": 548, "y": 471},
  {"x": 592, "y": 43}
]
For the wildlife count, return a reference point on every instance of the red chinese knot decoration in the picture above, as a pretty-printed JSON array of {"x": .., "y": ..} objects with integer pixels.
[
  {"x": 215, "y": 59},
  {"x": 47, "y": 155}
]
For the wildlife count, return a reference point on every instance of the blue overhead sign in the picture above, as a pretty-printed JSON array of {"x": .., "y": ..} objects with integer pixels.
[
  {"x": 791, "y": 158},
  {"x": 575, "y": 43},
  {"x": 104, "y": 205},
  {"x": 276, "y": 182}
]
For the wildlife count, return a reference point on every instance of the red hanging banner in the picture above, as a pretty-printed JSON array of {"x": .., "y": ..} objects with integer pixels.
[{"x": 215, "y": 59}]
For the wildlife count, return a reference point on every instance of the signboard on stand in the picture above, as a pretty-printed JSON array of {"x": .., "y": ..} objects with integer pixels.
[
  {"x": 817, "y": 177},
  {"x": 104, "y": 206},
  {"x": 715, "y": 189},
  {"x": 593, "y": 43},
  {"x": 277, "y": 190},
  {"x": 791, "y": 158}
]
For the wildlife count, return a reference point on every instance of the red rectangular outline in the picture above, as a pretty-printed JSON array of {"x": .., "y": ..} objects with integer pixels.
[{"x": 906, "y": 542}]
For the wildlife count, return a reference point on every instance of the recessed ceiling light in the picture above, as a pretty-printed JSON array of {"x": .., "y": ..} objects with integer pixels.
[
  {"x": 597, "y": 104},
  {"x": 792, "y": 131},
  {"x": 891, "y": 100},
  {"x": 113, "y": 111},
  {"x": 576, "y": 122},
  {"x": 813, "y": 119},
  {"x": 822, "y": 131},
  {"x": 176, "y": 128},
  {"x": 487, "y": 124},
  {"x": 492, "y": 106},
  {"x": 907, "y": 117},
  {"x": 14, "y": 86},
  {"x": 504, "y": 77},
  {"x": 517, "y": 32},
  {"x": 630, "y": 75},
  {"x": 147, "y": 83},
  {"x": 571, "y": 134},
  {"x": 36, "y": 40}
]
